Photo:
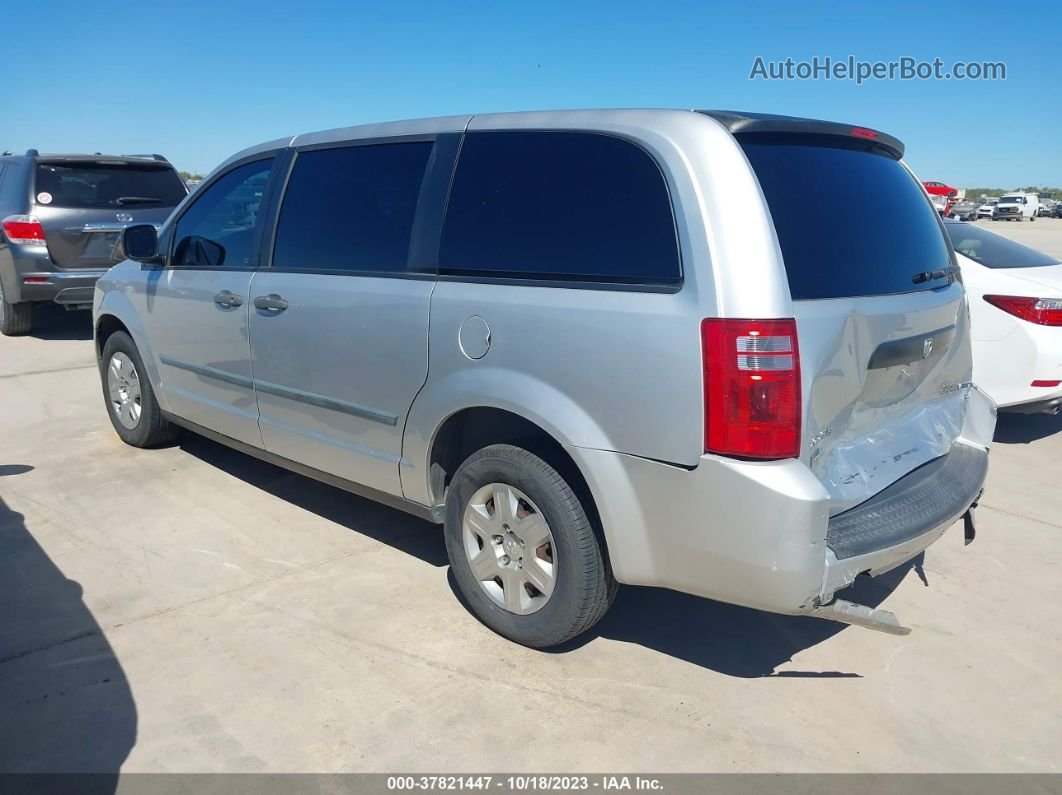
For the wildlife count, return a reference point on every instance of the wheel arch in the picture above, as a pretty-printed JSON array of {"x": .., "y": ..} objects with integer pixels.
[
  {"x": 116, "y": 313},
  {"x": 106, "y": 325},
  {"x": 471, "y": 428},
  {"x": 515, "y": 394},
  {"x": 474, "y": 427}
]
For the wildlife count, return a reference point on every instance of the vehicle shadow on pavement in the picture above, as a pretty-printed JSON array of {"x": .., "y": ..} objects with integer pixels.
[
  {"x": 65, "y": 703},
  {"x": 736, "y": 641},
  {"x": 56, "y": 323},
  {"x": 1026, "y": 428},
  {"x": 389, "y": 526},
  {"x": 732, "y": 640}
]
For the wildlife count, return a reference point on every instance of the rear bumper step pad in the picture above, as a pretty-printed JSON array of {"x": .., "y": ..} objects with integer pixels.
[{"x": 921, "y": 501}]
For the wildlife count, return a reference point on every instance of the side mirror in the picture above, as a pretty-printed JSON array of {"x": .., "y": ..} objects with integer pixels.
[{"x": 141, "y": 243}]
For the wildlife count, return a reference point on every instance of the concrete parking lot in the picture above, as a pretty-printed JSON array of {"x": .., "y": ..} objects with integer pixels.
[{"x": 192, "y": 609}]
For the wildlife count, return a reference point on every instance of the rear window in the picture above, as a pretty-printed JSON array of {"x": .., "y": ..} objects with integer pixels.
[
  {"x": 850, "y": 222},
  {"x": 995, "y": 251},
  {"x": 106, "y": 185},
  {"x": 568, "y": 206}
]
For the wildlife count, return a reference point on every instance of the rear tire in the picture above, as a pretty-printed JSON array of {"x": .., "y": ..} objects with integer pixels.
[
  {"x": 129, "y": 397},
  {"x": 15, "y": 319},
  {"x": 540, "y": 534}
]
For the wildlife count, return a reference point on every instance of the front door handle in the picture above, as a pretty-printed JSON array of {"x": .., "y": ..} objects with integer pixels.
[
  {"x": 271, "y": 301},
  {"x": 227, "y": 298}
]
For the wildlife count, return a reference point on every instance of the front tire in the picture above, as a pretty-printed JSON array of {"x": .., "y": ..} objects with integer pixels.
[
  {"x": 523, "y": 549},
  {"x": 15, "y": 319},
  {"x": 130, "y": 399}
]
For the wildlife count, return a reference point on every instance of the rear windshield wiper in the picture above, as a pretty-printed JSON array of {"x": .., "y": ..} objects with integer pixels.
[
  {"x": 939, "y": 273},
  {"x": 123, "y": 200}
]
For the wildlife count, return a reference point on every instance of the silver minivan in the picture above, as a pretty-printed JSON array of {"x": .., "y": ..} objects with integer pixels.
[{"x": 598, "y": 347}]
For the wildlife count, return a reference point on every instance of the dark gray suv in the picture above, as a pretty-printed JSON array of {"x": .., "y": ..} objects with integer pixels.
[{"x": 61, "y": 219}]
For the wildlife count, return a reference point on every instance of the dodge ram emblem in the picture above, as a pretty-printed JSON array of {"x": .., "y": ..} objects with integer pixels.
[{"x": 927, "y": 347}]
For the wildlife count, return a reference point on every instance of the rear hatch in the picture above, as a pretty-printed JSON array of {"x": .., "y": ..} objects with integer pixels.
[
  {"x": 83, "y": 204},
  {"x": 881, "y": 317}
]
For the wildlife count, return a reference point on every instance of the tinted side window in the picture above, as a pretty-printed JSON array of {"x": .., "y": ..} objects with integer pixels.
[
  {"x": 559, "y": 205},
  {"x": 351, "y": 209},
  {"x": 850, "y": 222},
  {"x": 219, "y": 228}
]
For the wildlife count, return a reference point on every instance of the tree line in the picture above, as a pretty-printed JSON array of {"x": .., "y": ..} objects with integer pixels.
[{"x": 974, "y": 192}]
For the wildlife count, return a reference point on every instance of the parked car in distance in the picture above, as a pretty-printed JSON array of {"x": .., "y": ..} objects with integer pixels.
[
  {"x": 61, "y": 219},
  {"x": 1016, "y": 313},
  {"x": 596, "y": 346},
  {"x": 986, "y": 209},
  {"x": 940, "y": 189},
  {"x": 1056, "y": 211},
  {"x": 1016, "y": 207},
  {"x": 964, "y": 211}
]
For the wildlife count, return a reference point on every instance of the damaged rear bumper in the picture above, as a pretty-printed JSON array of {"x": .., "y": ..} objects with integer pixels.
[
  {"x": 902, "y": 520},
  {"x": 760, "y": 534},
  {"x": 935, "y": 496}
]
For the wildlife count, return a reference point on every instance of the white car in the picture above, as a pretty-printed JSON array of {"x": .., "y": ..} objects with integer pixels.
[
  {"x": 986, "y": 210},
  {"x": 1015, "y": 295}
]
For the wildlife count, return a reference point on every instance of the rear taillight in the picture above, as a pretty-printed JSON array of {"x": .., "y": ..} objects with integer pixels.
[
  {"x": 24, "y": 230},
  {"x": 751, "y": 388},
  {"x": 1042, "y": 311}
]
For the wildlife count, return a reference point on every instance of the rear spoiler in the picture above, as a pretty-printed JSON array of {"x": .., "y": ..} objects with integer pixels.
[
  {"x": 139, "y": 160},
  {"x": 739, "y": 123}
]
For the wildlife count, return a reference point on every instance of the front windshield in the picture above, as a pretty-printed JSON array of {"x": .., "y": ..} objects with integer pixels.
[
  {"x": 1012, "y": 200},
  {"x": 995, "y": 251}
]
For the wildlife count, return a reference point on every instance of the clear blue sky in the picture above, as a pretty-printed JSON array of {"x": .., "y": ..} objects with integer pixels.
[{"x": 199, "y": 80}]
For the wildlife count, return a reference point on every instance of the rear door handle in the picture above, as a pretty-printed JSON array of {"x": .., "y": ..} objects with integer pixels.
[
  {"x": 271, "y": 301},
  {"x": 227, "y": 298}
]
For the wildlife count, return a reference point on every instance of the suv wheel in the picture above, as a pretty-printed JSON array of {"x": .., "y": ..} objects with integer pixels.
[
  {"x": 523, "y": 550},
  {"x": 130, "y": 399},
  {"x": 15, "y": 319}
]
